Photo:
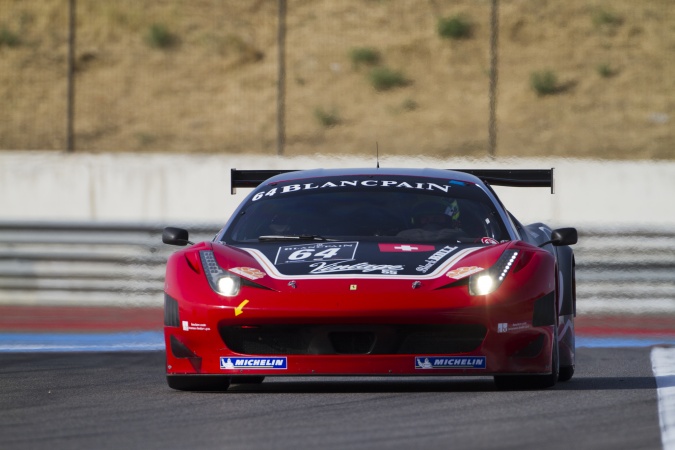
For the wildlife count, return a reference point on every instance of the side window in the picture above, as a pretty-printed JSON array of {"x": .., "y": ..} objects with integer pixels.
[
  {"x": 472, "y": 216},
  {"x": 522, "y": 232}
]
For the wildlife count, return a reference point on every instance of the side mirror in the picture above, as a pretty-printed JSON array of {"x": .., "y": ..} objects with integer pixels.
[
  {"x": 562, "y": 236},
  {"x": 175, "y": 236}
]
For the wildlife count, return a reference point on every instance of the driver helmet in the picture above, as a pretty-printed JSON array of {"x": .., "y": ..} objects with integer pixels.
[{"x": 436, "y": 213}]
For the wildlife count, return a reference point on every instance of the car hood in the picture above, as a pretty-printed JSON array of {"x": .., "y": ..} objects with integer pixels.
[{"x": 359, "y": 259}]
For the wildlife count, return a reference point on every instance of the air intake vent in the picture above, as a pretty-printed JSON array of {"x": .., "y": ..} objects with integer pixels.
[
  {"x": 352, "y": 343},
  {"x": 171, "y": 318},
  {"x": 308, "y": 339}
]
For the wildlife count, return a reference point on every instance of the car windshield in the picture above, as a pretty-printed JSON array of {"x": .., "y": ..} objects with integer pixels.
[{"x": 368, "y": 208}]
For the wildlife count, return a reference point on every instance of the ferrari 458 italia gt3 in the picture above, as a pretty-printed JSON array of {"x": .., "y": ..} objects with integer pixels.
[{"x": 380, "y": 272}]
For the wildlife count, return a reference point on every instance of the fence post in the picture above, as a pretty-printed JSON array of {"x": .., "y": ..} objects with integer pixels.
[
  {"x": 492, "y": 122},
  {"x": 281, "y": 78},
  {"x": 70, "y": 114}
]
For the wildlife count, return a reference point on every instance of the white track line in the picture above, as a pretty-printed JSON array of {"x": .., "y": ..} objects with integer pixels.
[{"x": 663, "y": 365}]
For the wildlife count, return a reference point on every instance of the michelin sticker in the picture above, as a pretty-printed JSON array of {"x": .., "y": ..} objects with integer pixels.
[
  {"x": 450, "y": 362},
  {"x": 253, "y": 363}
]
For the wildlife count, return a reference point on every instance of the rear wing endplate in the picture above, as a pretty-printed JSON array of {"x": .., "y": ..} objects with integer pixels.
[{"x": 497, "y": 177}]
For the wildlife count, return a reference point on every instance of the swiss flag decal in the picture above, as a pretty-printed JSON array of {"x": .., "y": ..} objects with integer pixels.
[{"x": 406, "y": 248}]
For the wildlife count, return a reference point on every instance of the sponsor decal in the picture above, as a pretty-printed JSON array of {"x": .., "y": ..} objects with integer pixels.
[
  {"x": 350, "y": 269},
  {"x": 337, "y": 184},
  {"x": 364, "y": 267},
  {"x": 248, "y": 272},
  {"x": 436, "y": 257},
  {"x": 386, "y": 248},
  {"x": 462, "y": 272},
  {"x": 506, "y": 327},
  {"x": 279, "y": 363},
  {"x": 489, "y": 240},
  {"x": 449, "y": 362},
  {"x": 330, "y": 251},
  {"x": 191, "y": 326},
  {"x": 240, "y": 309}
]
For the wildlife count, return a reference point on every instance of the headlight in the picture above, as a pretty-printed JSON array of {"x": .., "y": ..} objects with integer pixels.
[
  {"x": 221, "y": 281},
  {"x": 482, "y": 284},
  {"x": 489, "y": 280}
]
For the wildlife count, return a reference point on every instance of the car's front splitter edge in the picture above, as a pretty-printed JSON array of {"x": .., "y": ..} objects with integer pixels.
[{"x": 525, "y": 352}]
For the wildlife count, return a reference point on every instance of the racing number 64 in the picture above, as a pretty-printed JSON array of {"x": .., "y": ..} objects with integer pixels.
[{"x": 307, "y": 253}]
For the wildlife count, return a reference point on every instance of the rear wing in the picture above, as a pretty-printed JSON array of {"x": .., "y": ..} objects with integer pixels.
[
  {"x": 497, "y": 177},
  {"x": 514, "y": 178},
  {"x": 251, "y": 178}
]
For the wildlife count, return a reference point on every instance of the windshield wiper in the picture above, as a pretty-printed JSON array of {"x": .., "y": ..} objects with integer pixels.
[{"x": 294, "y": 237}]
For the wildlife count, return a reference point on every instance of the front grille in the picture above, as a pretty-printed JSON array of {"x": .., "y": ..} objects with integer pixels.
[
  {"x": 352, "y": 340},
  {"x": 444, "y": 339}
]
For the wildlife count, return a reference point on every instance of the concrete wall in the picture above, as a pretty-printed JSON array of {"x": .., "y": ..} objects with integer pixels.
[{"x": 168, "y": 188}]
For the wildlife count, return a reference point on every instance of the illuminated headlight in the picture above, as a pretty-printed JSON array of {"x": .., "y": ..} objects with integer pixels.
[
  {"x": 488, "y": 281},
  {"x": 228, "y": 285},
  {"x": 482, "y": 284},
  {"x": 221, "y": 281}
]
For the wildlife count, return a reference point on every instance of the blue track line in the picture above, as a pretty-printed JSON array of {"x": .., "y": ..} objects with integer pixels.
[
  {"x": 82, "y": 342},
  {"x": 628, "y": 341}
]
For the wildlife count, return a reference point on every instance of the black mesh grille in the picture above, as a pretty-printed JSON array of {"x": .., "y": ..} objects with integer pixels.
[
  {"x": 170, "y": 312},
  {"x": 265, "y": 340},
  {"x": 443, "y": 339},
  {"x": 353, "y": 340},
  {"x": 531, "y": 350}
]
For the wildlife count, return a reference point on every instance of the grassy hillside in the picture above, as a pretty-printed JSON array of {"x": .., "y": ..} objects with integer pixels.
[{"x": 577, "y": 78}]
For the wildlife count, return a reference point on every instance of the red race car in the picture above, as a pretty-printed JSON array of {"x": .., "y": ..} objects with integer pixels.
[{"x": 372, "y": 272}]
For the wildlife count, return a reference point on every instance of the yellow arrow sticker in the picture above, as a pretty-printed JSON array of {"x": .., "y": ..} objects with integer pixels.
[{"x": 240, "y": 309}]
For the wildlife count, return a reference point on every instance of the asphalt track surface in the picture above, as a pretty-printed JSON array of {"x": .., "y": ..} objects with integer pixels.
[{"x": 120, "y": 400}]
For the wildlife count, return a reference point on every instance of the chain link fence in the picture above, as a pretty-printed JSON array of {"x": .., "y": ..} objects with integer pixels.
[{"x": 297, "y": 77}]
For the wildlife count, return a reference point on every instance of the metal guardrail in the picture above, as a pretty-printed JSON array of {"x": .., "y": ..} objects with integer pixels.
[
  {"x": 624, "y": 271},
  {"x": 85, "y": 263}
]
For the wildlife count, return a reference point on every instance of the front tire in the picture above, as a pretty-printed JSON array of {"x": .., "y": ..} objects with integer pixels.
[
  {"x": 566, "y": 373},
  {"x": 213, "y": 383}
]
